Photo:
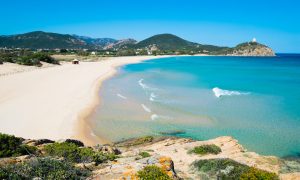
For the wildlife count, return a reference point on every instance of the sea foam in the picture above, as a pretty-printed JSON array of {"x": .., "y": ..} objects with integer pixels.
[
  {"x": 156, "y": 116},
  {"x": 121, "y": 96},
  {"x": 146, "y": 108},
  {"x": 145, "y": 86},
  {"x": 222, "y": 92},
  {"x": 153, "y": 97}
]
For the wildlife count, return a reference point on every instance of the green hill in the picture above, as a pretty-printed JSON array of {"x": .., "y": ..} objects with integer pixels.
[
  {"x": 175, "y": 43},
  {"x": 166, "y": 42}
]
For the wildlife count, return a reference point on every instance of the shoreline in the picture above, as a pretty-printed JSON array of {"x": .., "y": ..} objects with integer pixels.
[
  {"x": 83, "y": 129},
  {"x": 55, "y": 102}
]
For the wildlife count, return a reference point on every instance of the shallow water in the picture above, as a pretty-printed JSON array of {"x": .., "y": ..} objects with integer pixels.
[{"x": 255, "y": 100}]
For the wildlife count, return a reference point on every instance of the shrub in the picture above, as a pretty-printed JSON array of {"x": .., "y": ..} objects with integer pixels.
[
  {"x": 28, "y": 60},
  {"x": 6, "y": 57},
  {"x": 152, "y": 172},
  {"x": 206, "y": 149},
  {"x": 45, "y": 58},
  {"x": 74, "y": 153},
  {"x": 44, "y": 168},
  {"x": 229, "y": 169},
  {"x": 25, "y": 57},
  {"x": 12, "y": 146},
  {"x": 257, "y": 174},
  {"x": 144, "y": 154}
]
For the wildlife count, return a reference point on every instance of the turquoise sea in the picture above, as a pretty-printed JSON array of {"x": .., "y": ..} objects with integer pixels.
[{"x": 254, "y": 99}]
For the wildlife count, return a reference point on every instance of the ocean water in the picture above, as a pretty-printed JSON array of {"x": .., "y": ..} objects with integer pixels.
[{"x": 254, "y": 99}]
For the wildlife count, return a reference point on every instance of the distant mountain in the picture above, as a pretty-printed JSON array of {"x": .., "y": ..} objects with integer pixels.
[
  {"x": 97, "y": 42},
  {"x": 42, "y": 40},
  {"x": 46, "y": 40},
  {"x": 121, "y": 44}
]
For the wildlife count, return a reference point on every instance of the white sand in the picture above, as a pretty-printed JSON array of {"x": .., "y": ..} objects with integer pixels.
[{"x": 48, "y": 103}]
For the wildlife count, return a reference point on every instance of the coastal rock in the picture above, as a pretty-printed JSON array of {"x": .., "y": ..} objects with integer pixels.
[
  {"x": 290, "y": 176},
  {"x": 128, "y": 167},
  {"x": 108, "y": 149},
  {"x": 251, "y": 49},
  {"x": 177, "y": 150}
]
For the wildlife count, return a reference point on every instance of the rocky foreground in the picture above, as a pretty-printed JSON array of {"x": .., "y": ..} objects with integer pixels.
[{"x": 145, "y": 158}]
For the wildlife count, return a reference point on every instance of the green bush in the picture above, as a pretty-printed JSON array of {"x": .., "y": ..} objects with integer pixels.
[
  {"x": 25, "y": 57},
  {"x": 44, "y": 168},
  {"x": 152, "y": 172},
  {"x": 6, "y": 57},
  {"x": 12, "y": 146},
  {"x": 256, "y": 174},
  {"x": 206, "y": 149},
  {"x": 144, "y": 154},
  {"x": 229, "y": 169},
  {"x": 45, "y": 58},
  {"x": 28, "y": 60},
  {"x": 76, "y": 154}
]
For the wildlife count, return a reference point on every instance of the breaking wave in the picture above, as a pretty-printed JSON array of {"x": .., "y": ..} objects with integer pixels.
[{"x": 222, "y": 92}]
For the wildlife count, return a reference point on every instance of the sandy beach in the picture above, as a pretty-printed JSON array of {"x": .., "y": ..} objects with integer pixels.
[{"x": 55, "y": 102}]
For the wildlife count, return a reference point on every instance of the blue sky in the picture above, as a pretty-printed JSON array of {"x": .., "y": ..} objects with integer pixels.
[{"x": 219, "y": 22}]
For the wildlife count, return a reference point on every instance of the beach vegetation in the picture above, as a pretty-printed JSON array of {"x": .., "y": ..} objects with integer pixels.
[
  {"x": 206, "y": 149},
  {"x": 127, "y": 52},
  {"x": 230, "y": 169},
  {"x": 82, "y": 53},
  {"x": 257, "y": 174},
  {"x": 26, "y": 57},
  {"x": 43, "y": 168},
  {"x": 142, "y": 140},
  {"x": 12, "y": 146},
  {"x": 73, "y": 153},
  {"x": 152, "y": 172},
  {"x": 144, "y": 154}
]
